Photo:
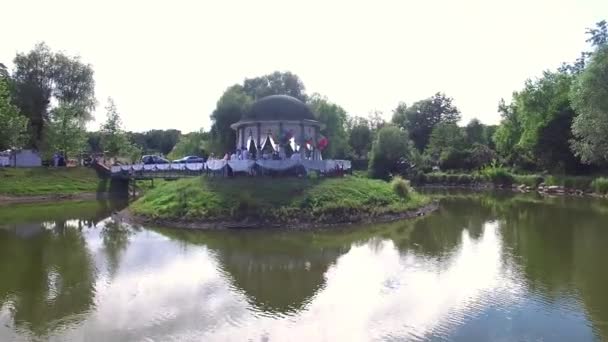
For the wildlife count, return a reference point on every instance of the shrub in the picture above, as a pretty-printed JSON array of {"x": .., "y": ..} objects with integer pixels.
[
  {"x": 498, "y": 175},
  {"x": 600, "y": 185},
  {"x": 571, "y": 182},
  {"x": 401, "y": 187}
]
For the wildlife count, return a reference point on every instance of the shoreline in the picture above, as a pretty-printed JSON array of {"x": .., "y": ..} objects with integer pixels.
[
  {"x": 551, "y": 191},
  {"x": 83, "y": 196},
  {"x": 127, "y": 216}
]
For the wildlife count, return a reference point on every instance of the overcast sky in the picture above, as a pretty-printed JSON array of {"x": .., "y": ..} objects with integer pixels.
[{"x": 166, "y": 63}]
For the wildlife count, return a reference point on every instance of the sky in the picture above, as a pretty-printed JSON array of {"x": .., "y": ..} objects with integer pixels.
[{"x": 166, "y": 63}]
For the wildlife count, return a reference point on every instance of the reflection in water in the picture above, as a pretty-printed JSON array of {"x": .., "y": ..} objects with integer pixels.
[{"x": 485, "y": 267}]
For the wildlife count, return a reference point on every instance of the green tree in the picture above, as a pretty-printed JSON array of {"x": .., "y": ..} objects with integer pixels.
[
  {"x": 391, "y": 147},
  {"x": 420, "y": 119},
  {"x": 445, "y": 137},
  {"x": 113, "y": 138},
  {"x": 229, "y": 109},
  {"x": 508, "y": 134},
  {"x": 277, "y": 83},
  {"x": 66, "y": 132},
  {"x": 334, "y": 117},
  {"x": 598, "y": 35},
  {"x": 191, "y": 144},
  {"x": 360, "y": 137},
  {"x": 13, "y": 125},
  {"x": 590, "y": 100},
  {"x": 475, "y": 132},
  {"x": 42, "y": 77},
  {"x": 3, "y": 71}
]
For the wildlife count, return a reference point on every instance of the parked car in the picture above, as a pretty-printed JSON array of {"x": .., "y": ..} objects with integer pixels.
[
  {"x": 154, "y": 160},
  {"x": 190, "y": 160}
]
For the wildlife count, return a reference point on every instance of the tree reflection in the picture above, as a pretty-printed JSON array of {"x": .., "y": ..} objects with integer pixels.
[
  {"x": 49, "y": 277},
  {"x": 561, "y": 250},
  {"x": 48, "y": 273},
  {"x": 115, "y": 236},
  {"x": 278, "y": 272}
]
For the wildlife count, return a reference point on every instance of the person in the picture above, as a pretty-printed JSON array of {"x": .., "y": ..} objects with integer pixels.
[
  {"x": 233, "y": 156},
  {"x": 245, "y": 154},
  {"x": 296, "y": 156}
]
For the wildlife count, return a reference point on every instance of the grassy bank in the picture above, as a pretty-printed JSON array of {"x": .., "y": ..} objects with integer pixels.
[
  {"x": 281, "y": 200},
  {"x": 502, "y": 177},
  {"x": 47, "y": 181}
]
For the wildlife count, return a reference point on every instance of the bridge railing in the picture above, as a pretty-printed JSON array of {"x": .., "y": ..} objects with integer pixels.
[{"x": 217, "y": 166}]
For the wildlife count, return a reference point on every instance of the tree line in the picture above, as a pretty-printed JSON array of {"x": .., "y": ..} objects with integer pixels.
[
  {"x": 46, "y": 102},
  {"x": 557, "y": 122}
]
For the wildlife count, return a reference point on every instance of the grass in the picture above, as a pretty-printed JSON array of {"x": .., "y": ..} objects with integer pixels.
[
  {"x": 274, "y": 199},
  {"x": 570, "y": 182},
  {"x": 47, "y": 181},
  {"x": 600, "y": 185}
]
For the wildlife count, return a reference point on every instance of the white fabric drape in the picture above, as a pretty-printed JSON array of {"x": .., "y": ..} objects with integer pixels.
[
  {"x": 241, "y": 165},
  {"x": 216, "y": 165},
  {"x": 278, "y": 165}
]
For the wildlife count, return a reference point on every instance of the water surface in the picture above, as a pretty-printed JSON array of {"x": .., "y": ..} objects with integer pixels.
[{"x": 484, "y": 267}]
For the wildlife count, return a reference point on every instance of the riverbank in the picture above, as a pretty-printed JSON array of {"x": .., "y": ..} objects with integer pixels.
[
  {"x": 33, "y": 185},
  {"x": 294, "y": 203},
  {"x": 543, "y": 184}
]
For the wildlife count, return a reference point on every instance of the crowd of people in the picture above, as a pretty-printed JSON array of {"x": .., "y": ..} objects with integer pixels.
[{"x": 244, "y": 154}]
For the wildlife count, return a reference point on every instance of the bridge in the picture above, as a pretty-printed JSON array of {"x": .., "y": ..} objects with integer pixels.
[{"x": 225, "y": 167}]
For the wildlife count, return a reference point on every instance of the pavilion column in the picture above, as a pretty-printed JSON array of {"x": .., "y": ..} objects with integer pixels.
[
  {"x": 314, "y": 142},
  {"x": 302, "y": 133},
  {"x": 259, "y": 141},
  {"x": 242, "y": 143}
]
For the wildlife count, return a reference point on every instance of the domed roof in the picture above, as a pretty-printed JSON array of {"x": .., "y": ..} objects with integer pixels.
[{"x": 278, "y": 107}]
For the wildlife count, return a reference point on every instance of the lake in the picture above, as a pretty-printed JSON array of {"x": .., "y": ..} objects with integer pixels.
[{"x": 485, "y": 266}]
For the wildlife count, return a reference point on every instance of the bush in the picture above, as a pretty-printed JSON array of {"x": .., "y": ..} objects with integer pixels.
[
  {"x": 498, "y": 175},
  {"x": 390, "y": 148},
  {"x": 570, "y": 182},
  {"x": 600, "y": 185},
  {"x": 401, "y": 187}
]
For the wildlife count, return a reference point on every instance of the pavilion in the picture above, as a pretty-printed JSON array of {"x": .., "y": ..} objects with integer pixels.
[{"x": 277, "y": 121}]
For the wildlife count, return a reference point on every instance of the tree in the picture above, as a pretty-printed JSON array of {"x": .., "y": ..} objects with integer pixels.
[
  {"x": 66, "y": 132},
  {"x": 334, "y": 118},
  {"x": 3, "y": 71},
  {"x": 391, "y": 147},
  {"x": 229, "y": 109},
  {"x": 420, "y": 119},
  {"x": 590, "y": 100},
  {"x": 277, "y": 83},
  {"x": 13, "y": 125},
  {"x": 42, "y": 77},
  {"x": 535, "y": 130},
  {"x": 156, "y": 140},
  {"x": 475, "y": 132},
  {"x": 598, "y": 35},
  {"x": 113, "y": 138},
  {"x": 446, "y": 136},
  {"x": 360, "y": 137},
  {"x": 376, "y": 120},
  {"x": 507, "y": 135},
  {"x": 191, "y": 144}
]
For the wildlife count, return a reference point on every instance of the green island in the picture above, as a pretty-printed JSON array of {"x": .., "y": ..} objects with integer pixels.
[{"x": 214, "y": 202}]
